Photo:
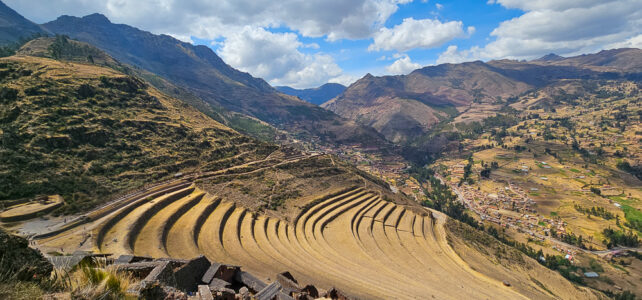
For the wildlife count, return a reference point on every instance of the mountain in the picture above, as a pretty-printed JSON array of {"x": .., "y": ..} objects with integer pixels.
[
  {"x": 201, "y": 72},
  {"x": 13, "y": 26},
  {"x": 406, "y": 107},
  {"x": 550, "y": 57},
  {"x": 86, "y": 132},
  {"x": 619, "y": 60},
  {"x": 316, "y": 96}
]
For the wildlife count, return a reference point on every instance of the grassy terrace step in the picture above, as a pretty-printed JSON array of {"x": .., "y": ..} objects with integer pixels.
[
  {"x": 120, "y": 224},
  {"x": 150, "y": 240},
  {"x": 351, "y": 239},
  {"x": 210, "y": 240},
  {"x": 159, "y": 205},
  {"x": 182, "y": 236}
]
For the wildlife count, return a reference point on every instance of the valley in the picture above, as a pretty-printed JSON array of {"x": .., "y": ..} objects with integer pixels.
[{"x": 140, "y": 164}]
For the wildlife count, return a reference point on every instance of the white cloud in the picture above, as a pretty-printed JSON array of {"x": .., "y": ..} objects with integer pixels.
[
  {"x": 411, "y": 34},
  {"x": 345, "y": 79},
  {"x": 634, "y": 42},
  {"x": 276, "y": 58},
  {"x": 236, "y": 25},
  {"x": 439, "y": 6},
  {"x": 334, "y": 19},
  {"x": 453, "y": 55},
  {"x": 563, "y": 27},
  {"x": 402, "y": 66}
]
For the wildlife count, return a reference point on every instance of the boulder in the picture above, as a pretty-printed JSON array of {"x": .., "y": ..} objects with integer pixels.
[{"x": 189, "y": 276}]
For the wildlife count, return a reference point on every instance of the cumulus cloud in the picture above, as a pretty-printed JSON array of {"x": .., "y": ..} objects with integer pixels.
[
  {"x": 453, "y": 55},
  {"x": 402, "y": 66},
  {"x": 335, "y": 19},
  {"x": 564, "y": 27},
  {"x": 411, "y": 34},
  {"x": 276, "y": 58}
]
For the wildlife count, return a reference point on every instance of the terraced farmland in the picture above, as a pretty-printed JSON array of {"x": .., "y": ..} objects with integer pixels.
[{"x": 355, "y": 241}]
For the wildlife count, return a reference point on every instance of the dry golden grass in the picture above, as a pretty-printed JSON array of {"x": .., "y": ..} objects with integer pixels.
[{"x": 355, "y": 241}]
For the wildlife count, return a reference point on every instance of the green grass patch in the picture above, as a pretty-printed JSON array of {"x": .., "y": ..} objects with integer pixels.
[
  {"x": 633, "y": 216},
  {"x": 553, "y": 214},
  {"x": 574, "y": 170}
]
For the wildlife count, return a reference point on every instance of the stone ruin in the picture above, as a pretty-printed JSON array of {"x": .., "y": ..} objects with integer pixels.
[{"x": 200, "y": 279}]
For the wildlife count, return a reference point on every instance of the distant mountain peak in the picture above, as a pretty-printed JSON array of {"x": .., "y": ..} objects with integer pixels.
[
  {"x": 97, "y": 18},
  {"x": 317, "y": 95},
  {"x": 550, "y": 57}
]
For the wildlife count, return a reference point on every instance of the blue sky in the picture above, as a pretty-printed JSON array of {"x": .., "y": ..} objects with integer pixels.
[{"x": 308, "y": 43}]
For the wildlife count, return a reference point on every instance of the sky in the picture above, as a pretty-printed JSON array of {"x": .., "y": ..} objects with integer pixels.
[{"x": 306, "y": 43}]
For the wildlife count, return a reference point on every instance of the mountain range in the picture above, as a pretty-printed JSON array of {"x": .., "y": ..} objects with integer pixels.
[
  {"x": 317, "y": 95},
  {"x": 201, "y": 72},
  {"x": 406, "y": 107}
]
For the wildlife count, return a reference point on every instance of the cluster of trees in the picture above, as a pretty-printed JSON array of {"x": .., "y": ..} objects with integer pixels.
[
  {"x": 595, "y": 211},
  {"x": 443, "y": 199},
  {"x": 468, "y": 171},
  {"x": 485, "y": 172},
  {"x": 570, "y": 238},
  {"x": 620, "y": 238},
  {"x": 627, "y": 167},
  {"x": 554, "y": 262}
]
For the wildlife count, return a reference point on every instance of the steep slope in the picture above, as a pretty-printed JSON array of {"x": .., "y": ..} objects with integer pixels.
[
  {"x": 316, "y": 96},
  {"x": 64, "y": 48},
  {"x": 85, "y": 132},
  {"x": 203, "y": 73},
  {"x": 13, "y": 26}
]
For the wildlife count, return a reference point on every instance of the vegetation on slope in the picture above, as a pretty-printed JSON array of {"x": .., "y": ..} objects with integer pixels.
[
  {"x": 201, "y": 72},
  {"x": 86, "y": 132}
]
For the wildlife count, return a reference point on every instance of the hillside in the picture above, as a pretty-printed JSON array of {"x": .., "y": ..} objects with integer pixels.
[
  {"x": 316, "y": 96},
  {"x": 92, "y": 131},
  {"x": 199, "y": 70},
  {"x": 354, "y": 238},
  {"x": 14, "y": 27},
  {"x": 406, "y": 107}
]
